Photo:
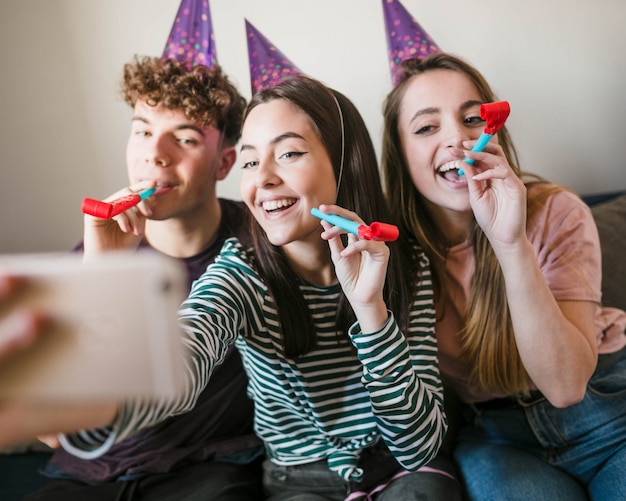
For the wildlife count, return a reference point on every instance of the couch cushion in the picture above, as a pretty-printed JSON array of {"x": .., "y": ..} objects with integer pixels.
[{"x": 610, "y": 219}]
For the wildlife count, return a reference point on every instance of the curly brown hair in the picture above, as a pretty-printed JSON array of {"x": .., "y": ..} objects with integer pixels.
[{"x": 204, "y": 94}]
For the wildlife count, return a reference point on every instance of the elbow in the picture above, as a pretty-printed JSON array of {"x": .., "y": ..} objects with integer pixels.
[
  {"x": 567, "y": 398},
  {"x": 568, "y": 391}
]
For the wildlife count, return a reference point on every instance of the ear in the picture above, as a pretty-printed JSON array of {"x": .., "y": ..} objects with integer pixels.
[{"x": 227, "y": 158}]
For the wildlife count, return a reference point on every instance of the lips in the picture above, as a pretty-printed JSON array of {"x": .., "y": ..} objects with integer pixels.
[
  {"x": 450, "y": 171},
  {"x": 163, "y": 188},
  {"x": 277, "y": 205}
]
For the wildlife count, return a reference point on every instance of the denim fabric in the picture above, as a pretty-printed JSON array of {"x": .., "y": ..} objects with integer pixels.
[
  {"x": 306, "y": 482},
  {"x": 536, "y": 451},
  {"x": 316, "y": 482},
  {"x": 422, "y": 487}
]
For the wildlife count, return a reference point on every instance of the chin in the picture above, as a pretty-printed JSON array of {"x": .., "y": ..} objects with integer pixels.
[{"x": 277, "y": 241}]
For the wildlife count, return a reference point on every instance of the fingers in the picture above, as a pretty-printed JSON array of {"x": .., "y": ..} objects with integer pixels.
[
  {"x": 131, "y": 221},
  {"x": 340, "y": 211},
  {"x": 333, "y": 235},
  {"x": 51, "y": 440},
  {"x": 18, "y": 331},
  {"x": 491, "y": 163},
  {"x": 355, "y": 244},
  {"x": 346, "y": 221},
  {"x": 142, "y": 207},
  {"x": 8, "y": 284}
]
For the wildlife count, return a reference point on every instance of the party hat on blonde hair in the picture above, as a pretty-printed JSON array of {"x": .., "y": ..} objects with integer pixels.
[
  {"x": 405, "y": 37},
  {"x": 191, "y": 39},
  {"x": 268, "y": 65}
]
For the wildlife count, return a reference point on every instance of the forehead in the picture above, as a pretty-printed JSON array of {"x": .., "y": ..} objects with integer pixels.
[
  {"x": 439, "y": 88},
  {"x": 274, "y": 118},
  {"x": 161, "y": 116},
  {"x": 142, "y": 108}
]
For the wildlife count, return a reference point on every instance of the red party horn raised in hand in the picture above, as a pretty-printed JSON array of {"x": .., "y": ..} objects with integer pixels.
[
  {"x": 106, "y": 210},
  {"x": 495, "y": 114},
  {"x": 381, "y": 232}
]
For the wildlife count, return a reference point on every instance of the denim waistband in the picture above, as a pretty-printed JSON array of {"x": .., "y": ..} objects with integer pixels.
[
  {"x": 605, "y": 360},
  {"x": 508, "y": 402}
]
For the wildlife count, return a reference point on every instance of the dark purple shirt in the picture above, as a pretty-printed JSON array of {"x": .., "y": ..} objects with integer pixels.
[{"x": 219, "y": 425}]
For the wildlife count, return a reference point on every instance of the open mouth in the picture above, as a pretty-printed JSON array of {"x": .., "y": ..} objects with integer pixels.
[
  {"x": 275, "y": 206},
  {"x": 450, "y": 171}
]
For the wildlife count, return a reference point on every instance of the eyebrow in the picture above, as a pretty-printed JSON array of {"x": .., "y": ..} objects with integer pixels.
[
  {"x": 432, "y": 110},
  {"x": 185, "y": 126},
  {"x": 276, "y": 140}
]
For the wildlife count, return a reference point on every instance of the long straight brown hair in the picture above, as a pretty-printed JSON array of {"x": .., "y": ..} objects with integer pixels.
[
  {"x": 344, "y": 134},
  {"x": 487, "y": 339}
]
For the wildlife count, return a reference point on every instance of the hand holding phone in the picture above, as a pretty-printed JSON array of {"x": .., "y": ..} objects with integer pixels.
[{"x": 113, "y": 330}]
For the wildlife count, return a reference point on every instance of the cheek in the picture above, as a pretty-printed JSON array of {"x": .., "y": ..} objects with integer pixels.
[
  {"x": 132, "y": 163},
  {"x": 135, "y": 159},
  {"x": 323, "y": 184},
  {"x": 421, "y": 174},
  {"x": 246, "y": 189},
  {"x": 420, "y": 170}
]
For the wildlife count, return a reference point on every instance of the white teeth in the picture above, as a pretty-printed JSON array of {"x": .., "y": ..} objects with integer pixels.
[
  {"x": 278, "y": 204},
  {"x": 450, "y": 165}
]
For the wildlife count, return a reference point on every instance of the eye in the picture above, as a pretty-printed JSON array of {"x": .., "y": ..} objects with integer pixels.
[
  {"x": 474, "y": 121},
  {"x": 187, "y": 141},
  {"x": 292, "y": 154},
  {"x": 141, "y": 133},
  {"x": 425, "y": 130},
  {"x": 250, "y": 164}
]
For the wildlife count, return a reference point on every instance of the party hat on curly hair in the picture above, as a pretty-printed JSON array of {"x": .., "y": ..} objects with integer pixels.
[
  {"x": 405, "y": 37},
  {"x": 268, "y": 65},
  {"x": 191, "y": 39}
]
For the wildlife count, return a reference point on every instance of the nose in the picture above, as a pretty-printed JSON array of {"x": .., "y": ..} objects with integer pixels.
[
  {"x": 266, "y": 174},
  {"x": 158, "y": 152},
  {"x": 456, "y": 134}
]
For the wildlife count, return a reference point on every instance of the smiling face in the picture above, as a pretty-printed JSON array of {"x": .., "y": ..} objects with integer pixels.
[
  {"x": 286, "y": 172},
  {"x": 183, "y": 158},
  {"x": 440, "y": 109}
]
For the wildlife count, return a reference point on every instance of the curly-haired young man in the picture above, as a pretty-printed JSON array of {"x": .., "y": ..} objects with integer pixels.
[{"x": 185, "y": 124}]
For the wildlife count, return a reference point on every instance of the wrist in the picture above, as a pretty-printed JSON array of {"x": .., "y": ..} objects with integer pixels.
[{"x": 372, "y": 316}]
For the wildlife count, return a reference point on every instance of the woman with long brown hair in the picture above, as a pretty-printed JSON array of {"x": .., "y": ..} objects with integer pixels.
[{"x": 516, "y": 270}]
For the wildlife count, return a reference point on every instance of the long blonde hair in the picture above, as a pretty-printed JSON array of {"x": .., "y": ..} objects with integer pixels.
[{"x": 487, "y": 339}]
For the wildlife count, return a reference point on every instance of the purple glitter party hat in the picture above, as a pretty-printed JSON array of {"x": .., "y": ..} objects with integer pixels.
[
  {"x": 405, "y": 37},
  {"x": 268, "y": 65},
  {"x": 191, "y": 39}
]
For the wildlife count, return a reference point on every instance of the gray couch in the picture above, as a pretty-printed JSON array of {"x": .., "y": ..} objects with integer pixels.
[{"x": 609, "y": 213}]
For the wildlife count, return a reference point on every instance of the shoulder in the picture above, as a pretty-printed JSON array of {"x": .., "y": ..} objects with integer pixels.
[
  {"x": 233, "y": 269},
  {"x": 552, "y": 205},
  {"x": 235, "y": 253},
  {"x": 554, "y": 195},
  {"x": 564, "y": 235}
]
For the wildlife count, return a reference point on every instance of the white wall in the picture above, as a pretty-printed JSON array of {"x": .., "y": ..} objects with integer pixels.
[{"x": 63, "y": 128}]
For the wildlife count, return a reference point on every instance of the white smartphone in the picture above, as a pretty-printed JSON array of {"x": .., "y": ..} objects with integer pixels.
[{"x": 113, "y": 330}]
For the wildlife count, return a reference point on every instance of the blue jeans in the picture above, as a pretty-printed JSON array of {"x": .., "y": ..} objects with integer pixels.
[{"x": 534, "y": 451}]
